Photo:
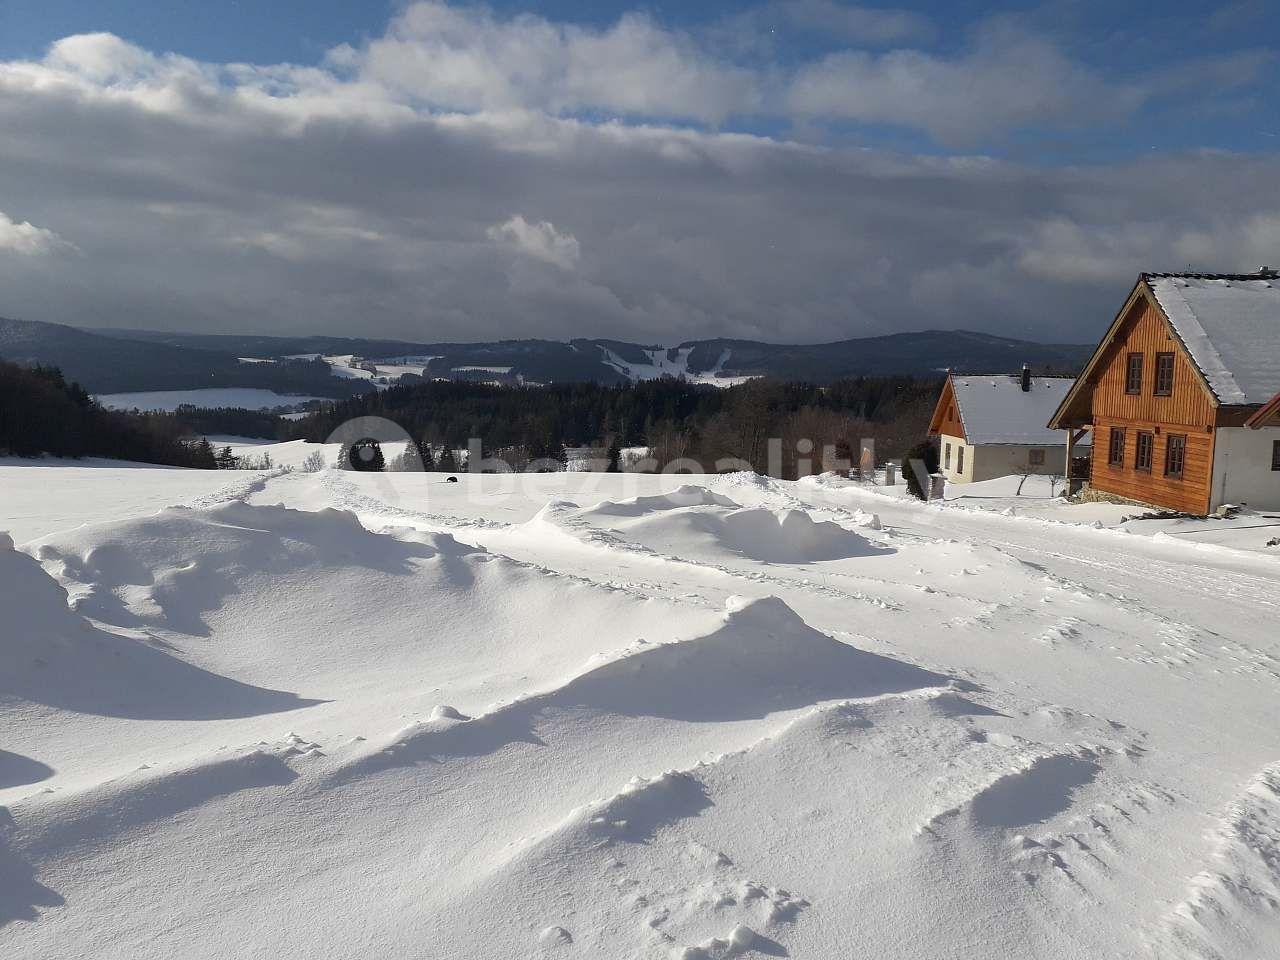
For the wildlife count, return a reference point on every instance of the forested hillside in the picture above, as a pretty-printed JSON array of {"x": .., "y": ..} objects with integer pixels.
[
  {"x": 104, "y": 364},
  {"x": 674, "y": 418},
  {"x": 42, "y": 413}
]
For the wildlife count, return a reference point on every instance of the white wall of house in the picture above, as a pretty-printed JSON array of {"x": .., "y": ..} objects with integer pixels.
[
  {"x": 1242, "y": 471},
  {"x": 988, "y": 461},
  {"x": 949, "y": 459}
]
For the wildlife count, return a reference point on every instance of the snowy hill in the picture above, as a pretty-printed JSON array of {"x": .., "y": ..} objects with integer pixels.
[
  {"x": 107, "y": 364},
  {"x": 131, "y": 361},
  {"x": 614, "y": 715}
]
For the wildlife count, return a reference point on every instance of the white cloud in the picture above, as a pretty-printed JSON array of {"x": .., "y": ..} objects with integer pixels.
[
  {"x": 101, "y": 57},
  {"x": 293, "y": 199},
  {"x": 436, "y": 56},
  {"x": 1008, "y": 80},
  {"x": 539, "y": 240},
  {"x": 27, "y": 239},
  {"x": 467, "y": 58}
]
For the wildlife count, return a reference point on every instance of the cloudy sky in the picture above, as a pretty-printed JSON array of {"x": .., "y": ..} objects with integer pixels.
[{"x": 789, "y": 170}]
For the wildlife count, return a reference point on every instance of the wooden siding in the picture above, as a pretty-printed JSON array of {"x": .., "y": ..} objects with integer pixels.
[
  {"x": 1190, "y": 410},
  {"x": 1147, "y": 332},
  {"x": 946, "y": 416},
  {"x": 1189, "y": 493}
]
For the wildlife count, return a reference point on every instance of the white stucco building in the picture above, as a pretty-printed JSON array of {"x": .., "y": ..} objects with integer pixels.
[{"x": 994, "y": 426}]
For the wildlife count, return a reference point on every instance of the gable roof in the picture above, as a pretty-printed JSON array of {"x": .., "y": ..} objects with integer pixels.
[
  {"x": 995, "y": 410},
  {"x": 1230, "y": 325},
  {"x": 1268, "y": 415}
]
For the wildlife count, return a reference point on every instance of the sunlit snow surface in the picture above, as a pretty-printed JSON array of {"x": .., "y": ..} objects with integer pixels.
[{"x": 614, "y": 716}]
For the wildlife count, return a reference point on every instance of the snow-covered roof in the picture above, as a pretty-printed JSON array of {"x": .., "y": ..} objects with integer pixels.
[
  {"x": 994, "y": 409},
  {"x": 1231, "y": 328}
]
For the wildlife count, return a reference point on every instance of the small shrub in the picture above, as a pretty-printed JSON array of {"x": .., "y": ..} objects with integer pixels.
[{"x": 314, "y": 462}]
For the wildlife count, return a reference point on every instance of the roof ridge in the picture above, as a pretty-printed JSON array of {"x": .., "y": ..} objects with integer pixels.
[
  {"x": 1011, "y": 376},
  {"x": 1263, "y": 273}
]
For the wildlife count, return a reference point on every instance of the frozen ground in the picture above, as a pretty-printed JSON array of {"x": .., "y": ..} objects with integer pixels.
[{"x": 611, "y": 715}]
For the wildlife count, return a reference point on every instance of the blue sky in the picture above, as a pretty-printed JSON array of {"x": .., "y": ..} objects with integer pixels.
[
  {"x": 1119, "y": 41},
  {"x": 785, "y": 170}
]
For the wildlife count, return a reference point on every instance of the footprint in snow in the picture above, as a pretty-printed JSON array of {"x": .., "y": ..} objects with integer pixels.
[{"x": 555, "y": 937}]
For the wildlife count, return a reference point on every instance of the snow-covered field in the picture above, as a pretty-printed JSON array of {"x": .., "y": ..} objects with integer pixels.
[
  {"x": 248, "y": 398},
  {"x": 613, "y": 716}
]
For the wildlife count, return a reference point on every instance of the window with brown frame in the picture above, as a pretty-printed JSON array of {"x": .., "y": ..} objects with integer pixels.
[
  {"x": 1164, "y": 374},
  {"x": 1115, "y": 453},
  {"x": 1035, "y": 458},
  {"x": 1133, "y": 374},
  {"x": 1275, "y": 454},
  {"x": 1175, "y": 455},
  {"x": 946, "y": 462},
  {"x": 1143, "y": 454},
  {"x": 959, "y": 459}
]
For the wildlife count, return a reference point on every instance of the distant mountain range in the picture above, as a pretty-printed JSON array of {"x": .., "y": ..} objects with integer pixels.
[
  {"x": 116, "y": 361},
  {"x": 104, "y": 363}
]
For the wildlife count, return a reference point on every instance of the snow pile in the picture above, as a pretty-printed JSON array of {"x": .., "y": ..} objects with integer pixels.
[
  {"x": 763, "y": 659},
  {"x": 54, "y": 657},
  {"x": 170, "y": 569},
  {"x": 687, "y": 495},
  {"x": 696, "y": 522},
  {"x": 756, "y": 533}
]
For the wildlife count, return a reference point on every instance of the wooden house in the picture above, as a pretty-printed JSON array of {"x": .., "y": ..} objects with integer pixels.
[
  {"x": 1182, "y": 396},
  {"x": 994, "y": 426}
]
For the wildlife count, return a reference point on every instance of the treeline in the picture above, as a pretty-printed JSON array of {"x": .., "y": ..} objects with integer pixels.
[
  {"x": 810, "y": 426},
  {"x": 232, "y": 421},
  {"x": 42, "y": 413},
  {"x": 787, "y": 429}
]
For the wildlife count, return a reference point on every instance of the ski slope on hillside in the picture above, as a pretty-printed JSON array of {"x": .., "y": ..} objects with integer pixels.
[
  {"x": 672, "y": 362},
  {"x": 612, "y": 715}
]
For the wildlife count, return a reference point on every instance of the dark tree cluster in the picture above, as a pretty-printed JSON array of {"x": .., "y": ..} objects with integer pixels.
[
  {"x": 231, "y": 421},
  {"x": 42, "y": 413},
  {"x": 677, "y": 420}
]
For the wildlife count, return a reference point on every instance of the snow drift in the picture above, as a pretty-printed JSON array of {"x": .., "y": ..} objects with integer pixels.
[
  {"x": 763, "y": 659},
  {"x": 52, "y": 656},
  {"x": 698, "y": 523}
]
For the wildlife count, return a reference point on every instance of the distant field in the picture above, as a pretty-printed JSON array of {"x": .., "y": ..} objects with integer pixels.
[{"x": 248, "y": 398}]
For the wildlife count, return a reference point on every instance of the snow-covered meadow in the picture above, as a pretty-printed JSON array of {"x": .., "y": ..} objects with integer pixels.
[
  {"x": 614, "y": 715},
  {"x": 250, "y": 398}
]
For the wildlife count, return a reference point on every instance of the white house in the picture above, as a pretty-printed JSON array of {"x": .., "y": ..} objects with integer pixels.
[{"x": 994, "y": 426}]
